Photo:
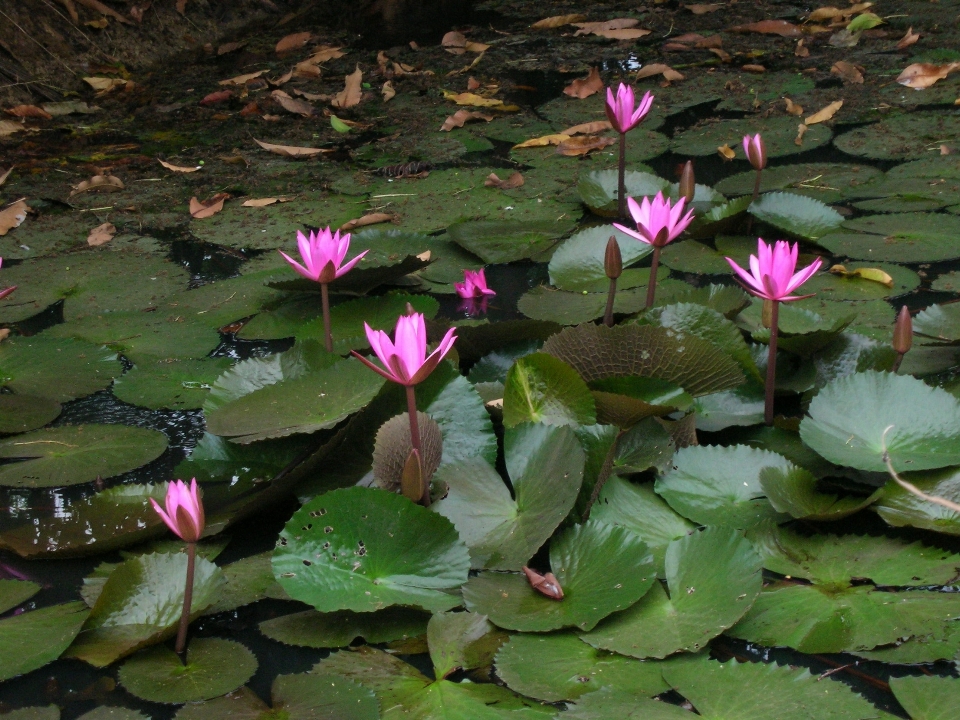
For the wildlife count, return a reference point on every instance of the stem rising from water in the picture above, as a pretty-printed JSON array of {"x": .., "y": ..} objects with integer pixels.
[
  {"x": 771, "y": 366},
  {"x": 181, "y": 645}
]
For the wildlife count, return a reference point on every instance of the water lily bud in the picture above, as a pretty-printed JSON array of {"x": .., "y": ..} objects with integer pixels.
[
  {"x": 756, "y": 151},
  {"x": 612, "y": 260},
  {"x": 688, "y": 185},
  {"x": 411, "y": 481},
  {"x": 903, "y": 332}
]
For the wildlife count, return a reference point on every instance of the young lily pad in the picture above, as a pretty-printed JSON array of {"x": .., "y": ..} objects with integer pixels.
[
  {"x": 461, "y": 641},
  {"x": 691, "y": 256},
  {"x": 832, "y": 286},
  {"x": 577, "y": 264},
  {"x": 902, "y": 137},
  {"x": 15, "y": 592},
  {"x": 545, "y": 464},
  {"x": 22, "y": 413},
  {"x": 177, "y": 385},
  {"x": 713, "y": 577},
  {"x": 798, "y": 215},
  {"x": 33, "y": 639},
  {"x": 599, "y": 189},
  {"x": 794, "y": 491},
  {"x": 214, "y": 667},
  {"x": 928, "y": 698},
  {"x": 363, "y": 549},
  {"x": 897, "y": 237},
  {"x": 778, "y": 135},
  {"x": 502, "y": 241},
  {"x": 849, "y": 417},
  {"x": 541, "y": 388},
  {"x": 601, "y": 568},
  {"x": 74, "y": 454},
  {"x": 560, "y": 666},
  {"x": 714, "y": 485},
  {"x": 573, "y": 308},
  {"x": 58, "y": 369},
  {"x": 339, "y": 629},
  {"x": 826, "y": 182},
  {"x": 899, "y": 507}
]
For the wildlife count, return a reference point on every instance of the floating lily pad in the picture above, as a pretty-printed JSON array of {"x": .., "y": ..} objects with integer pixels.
[
  {"x": 246, "y": 581},
  {"x": 718, "y": 219},
  {"x": 728, "y": 300},
  {"x": 177, "y": 385},
  {"x": 22, "y": 413},
  {"x": 798, "y": 215},
  {"x": 849, "y": 416},
  {"x": 599, "y": 189},
  {"x": 572, "y": 308},
  {"x": 947, "y": 282},
  {"x": 902, "y": 137},
  {"x": 33, "y": 639},
  {"x": 795, "y": 491},
  {"x": 221, "y": 302},
  {"x": 625, "y": 401},
  {"x": 647, "y": 445},
  {"x": 577, "y": 264},
  {"x": 900, "y": 508},
  {"x": 15, "y": 592},
  {"x": 74, "y": 454},
  {"x": 58, "y": 369},
  {"x": 778, "y": 134},
  {"x": 541, "y": 388},
  {"x": 601, "y": 568},
  {"x": 501, "y": 241},
  {"x": 928, "y": 698},
  {"x": 545, "y": 464},
  {"x": 565, "y": 112},
  {"x": 609, "y": 702},
  {"x": 339, "y": 629},
  {"x": 690, "y": 256},
  {"x": 940, "y": 322},
  {"x": 830, "y": 286},
  {"x": 362, "y": 549},
  {"x": 897, "y": 237},
  {"x": 902, "y": 203},
  {"x": 461, "y": 641},
  {"x": 109, "y": 712},
  {"x": 827, "y": 182},
  {"x": 941, "y": 644},
  {"x": 214, "y": 667},
  {"x": 741, "y": 406}
]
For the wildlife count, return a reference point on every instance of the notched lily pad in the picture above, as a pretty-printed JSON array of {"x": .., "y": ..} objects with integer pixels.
[
  {"x": 599, "y": 189},
  {"x": 54, "y": 368},
  {"x": 501, "y": 241},
  {"x": 339, "y": 629},
  {"x": 798, "y": 215}
]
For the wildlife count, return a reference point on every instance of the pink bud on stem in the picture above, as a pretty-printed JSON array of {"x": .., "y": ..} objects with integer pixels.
[
  {"x": 902, "y": 337},
  {"x": 613, "y": 267}
]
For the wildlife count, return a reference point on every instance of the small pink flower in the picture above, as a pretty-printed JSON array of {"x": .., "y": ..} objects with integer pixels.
[
  {"x": 620, "y": 111},
  {"x": 772, "y": 275},
  {"x": 756, "y": 151},
  {"x": 474, "y": 285},
  {"x": 184, "y": 514},
  {"x": 657, "y": 222},
  {"x": 323, "y": 254},
  {"x": 405, "y": 358}
]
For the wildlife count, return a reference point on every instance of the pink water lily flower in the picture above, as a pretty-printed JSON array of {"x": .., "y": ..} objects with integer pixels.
[
  {"x": 184, "y": 513},
  {"x": 756, "y": 151},
  {"x": 772, "y": 273},
  {"x": 405, "y": 358},
  {"x": 323, "y": 253},
  {"x": 620, "y": 111},
  {"x": 657, "y": 222},
  {"x": 474, "y": 285}
]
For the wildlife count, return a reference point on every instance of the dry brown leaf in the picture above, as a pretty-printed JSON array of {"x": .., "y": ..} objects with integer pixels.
[
  {"x": 946, "y": 150},
  {"x": 923, "y": 75},
  {"x": 4, "y": 334},
  {"x": 181, "y": 6},
  {"x": 474, "y": 100},
  {"x": 306, "y": 70},
  {"x": 9, "y": 127},
  {"x": 770, "y": 27},
  {"x": 848, "y": 72},
  {"x": 711, "y": 41},
  {"x": 726, "y": 152},
  {"x": 104, "y": 84},
  {"x": 352, "y": 90},
  {"x": 6, "y": 174},
  {"x": 242, "y": 79},
  {"x": 99, "y": 7},
  {"x": 669, "y": 74},
  {"x": 292, "y": 42},
  {"x": 828, "y": 112},
  {"x": 757, "y": 69},
  {"x": 462, "y": 116},
  {"x": 801, "y": 131},
  {"x": 179, "y": 168},
  {"x": 514, "y": 181},
  {"x": 793, "y": 108},
  {"x": 138, "y": 11},
  {"x": 216, "y": 97},
  {"x": 101, "y": 235},
  {"x": 13, "y": 215},
  {"x": 557, "y": 21},
  {"x": 291, "y": 150},
  {"x": 801, "y": 50},
  {"x": 260, "y": 202},
  {"x": 371, "y": 219},
  {"x": 292, "y": 105},
  {"x": 585, "y": 87},
  {"x": 69, "y": 107},
  {"x": 675, "y": 47},
  {"x": 98, "y": 183},
  {"x": 824, "y": 13},
  {"x": 457, "y": 44},
  {"x": 101, "y": 24},
  {"x": 907, "y": 40},
  {"x": 588, "y": 128},
  {"x": 322, "y": 53},
  {"x": 472, "y": 84},
  {"x": 28, "y": 111},
  {"x": 721, "y": 53},
  {"x": 703, "y": 9},
  {"x": 312, "y": 97},
  {"x": 282, "y": 80},
  {"x": 542, "y": 141},
  {"x": 208, "y": 208},
  {"x": 618, "y": 29},
  {"x": 229, "y": 47},
  {"x": 583, "y": 144},
  {"x": 68, "y": 4},
  {"x": 388, "y": 92},
  {"x": 625, "y": 34}
]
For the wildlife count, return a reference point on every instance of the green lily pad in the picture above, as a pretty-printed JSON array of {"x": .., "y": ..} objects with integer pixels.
[
  {"x": 925, "y": 420},
  {"x": 714, "y": 485},
  {"x": 718, "y": 219},
  {"x": 221, "y": 302},
  {"x": 836, "y": 287},
  {"x": 74, "y": 454},
  {"x": 803, "y": 331},
  {"x": 246, "y": 581},
  {"x": 339, "y": 629},
  {"x": 728, "y": 300},
  {"x": 941, "y": 644},
  {"x": 625, "y": 401},
  {"x": 609, "y": 702},
  {"x": 794, "y": 491},
  {"x": 928, "y": 698},
  {"x": 494, "y": 366},
  {"x": 691, "y": 256},
  {"x": 545, "y": 464},
  {"x": 109, "y": 712},
  {"x": 902, "y": 137},
  {"x": 778, "y": 134},
  {"x": 903, "y": 202},
  {"x": 177, "y": 385},
  {"x": 565, "y": 112},
  {"x": 15, "y": 592},
  {"x": 645, "y": 446},
  {"x": 22, "y": 413},
  {"x": 577, "y": 264},
  {"x": 33, "y": 639},
  {"x": 826, "y": 182},
  {"x": 541, "y": 388},
  {"x": 713, "y": 577},
  {"x": 798, "y": 215},
  {"x": 214, "y": 667},
  {"x": 560, "y": 666},
  {"x": 362, "y": 549},
  {"x": 572, "y": 308},
  {"x": 50, "y": 712},
  {"x": 461, "y": 641},
  {"x": 599, "y": 189},
  {"x": 897, "y": 237},
  {"x": 741, "y": 406},
  {"x": 939, "y": 322},
  {"x": 599, "y": 446},
  {"x": 947, "y": 282},
  {"x": 502, "y": 241},
  {"x": 900, "y": 508},
  {"x": 60, "y": 370},
  {"x": 601, "y": 568}
]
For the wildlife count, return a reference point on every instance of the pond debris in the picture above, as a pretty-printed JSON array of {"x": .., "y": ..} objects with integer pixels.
[{"x": 546, "y": 585}]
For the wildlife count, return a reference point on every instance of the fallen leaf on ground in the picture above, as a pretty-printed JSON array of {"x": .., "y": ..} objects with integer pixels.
[
  {"x": 462, "y": 116},
  {"x": 181, "y": 6},
  {"x": 242, "y": 79},
  {"x": 618, "y": 29},
  {"x": 99, "y": 7},
  {"x": 474, "y": 100},
  {"x": 456, "y": 43},
  {"x": 100, "y": 24},
  {"x": 98, "y": 183},
  {"x": 848, "y": 72},
  {"x": 793, "y": 108},
  {"x": 388, "y": 92},
  {"x": 9, "y": 127},
  {"x": 721, "y": 53},
  {"x": 514, "y": 181},
  {"x": 5, "y": 175},
  {"x": 69, "y": 107},
  {"x": 371, "y": 219},
  {"x": 770, "y": 27},
  {"x": 588, "y": 128},
  {"x": 207, "y": 208},
  {"x": 472, "y": 84},
  {"x": 543, "y": 141},
  {"x": 263, "y": 202},
  {"x": 583, "y": 144},
  {"x": 13, "y": 215},
  {"x": 291, "y": 150},
  {"x": 216, "y": 97},
  {"x": 585, "y": 87},
  {"x": 292, "y": 42},
  {"x": 757, "y": 69},
  {"x": 801, "y": 50},
  {"x": 844, "y": 38},
  {"x": 103, "y": 84},
  {"x": 557, "y": 21},
  {"x": 28, "y": 111},
  {"x": 703, "y": 9},
  {"x": 179, "y": 168},
  {"x": 907, "y": 40},
  {"x": 873, "y": 274},
  {"x": 306, "y": 70},
  {"x": 923, "y": 75},
  {"x": 726, "y": 152},
  {"x": 828, "y": 112},
  {"x": 352, "y": 90},
  {"x": 669, "y": 74},
  {"x": 137, "y": 12},
  {"x": 801, "y": 131},
  {"x": 101, "y": 235},
  {"x": 282, "y": 80},
  {"x": 946, "y": 150},
  {"x": 292, "y": 105},
  {"x": 229, "y": 47},
  {"x": 824, "y": 13},
  {"x": 866, "y": 21}
]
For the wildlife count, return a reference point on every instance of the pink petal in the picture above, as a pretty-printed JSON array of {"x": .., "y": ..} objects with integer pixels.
[
  {"x": 350, "y": 265},
  {"x": 632, "y": 233},
  {"x": 166, "y": 518},
  {"x": 297, "y": 266}
]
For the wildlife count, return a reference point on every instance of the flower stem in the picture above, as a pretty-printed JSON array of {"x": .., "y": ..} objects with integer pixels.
[
  {"x": 896, "y": 363},
  {"x": 415, "y": 436},
  {"x": 621, "y": 183},
  {"x": 181, "y": 646},
  {"x": 652, "y": 283},
  {"x": 771, "y": 366},
  {"x": 325, "y": 300},
  {"x": 611, "y": 296},
  {"x": 756, "y": 186}
]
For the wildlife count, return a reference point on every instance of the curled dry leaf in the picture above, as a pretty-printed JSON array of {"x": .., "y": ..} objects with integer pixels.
[
  {"x": 557, "y": 21},
  {"x": 770, "y": 27},
  {"x": 793, "y": 108},
  {"x": 756, "y": 69},
  {"x": 801, "y": 131},
  {"x": 216, "y": 97},
  {"x": 263, "y": 202},
  {"x": 292, "y": 105},
  {"x": 588, "y": 128},
  {"x": 179, "y": 168},
  {"x": 907, "y": 40},
  {"x": 5, "y": 174},
  {"x": 295, "y": 41},
  {"x": 28, "y": 111},
  {"x": 322, "y": 53},
  {"x": 9, "y": 127},
  {"x": 514, "y": 181},
  {"x": 801, "y": 50},
  {"x": 207, "y": 208},
  {"x": 472, "y": 84},
  {"x": 543, "y": 141},
  {"x": 703, "y": 9},
  {"x": 618, "y": 29},
  {"x": 583, "y": 144},
  {"x": 669, "y": 74},
  {"x": 242, "y": 79},
  {"x": 873, "y": 274},
  {"x": 13, "y": 216},
  {"x": 726, "y": 152},
  {"x": 282, "y": 80},
  {"x": 457, "y": 44},
  {"x": 370, "y": 219},
  {"x": 98, "y": 183},
  {"x": 585, "y": 87},
  {"x": 352, "y": 90},
  {"x": 474, "y": 100},
  {"x": 291, "y": 150},
  {"x": 844, "y": 38},
  {"x": 923, "y": 75},
  {"x": 462, "y": 116},
  {"x": 848, "y": 72},
  {"x": 823, "y": 115},
  {"x": 101, "y": 235},
  {"x": 721, "y": 53},
  {"x": 387, "y": 91},
  {"x": 104, "y": 85}
]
